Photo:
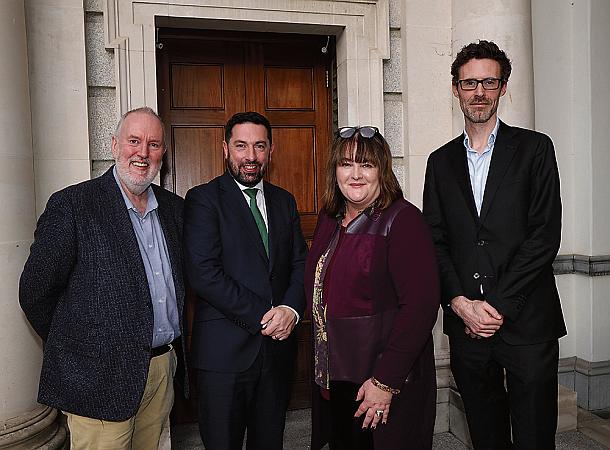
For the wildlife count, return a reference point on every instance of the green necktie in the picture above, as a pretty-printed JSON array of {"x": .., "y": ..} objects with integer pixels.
[{"x": 258, "y": 217}]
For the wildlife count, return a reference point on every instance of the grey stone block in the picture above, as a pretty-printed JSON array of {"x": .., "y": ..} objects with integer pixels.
[
  {"x": 94, "y": 5},
  {"x": 100, "y": 61},
  {"x": 392, "y": 68},
  {"x": 395, "y": 13},
  {"x": 599, "y": 392},
  {"x": 393, "y": 123},
  {"x": 102, "y": 120},
  {"x": 592, "y": 384},
  {"x": 398, "y": 166},
  {"x": 567, "y": 380},
  {"x": 441, "y": 425},
  {"x": 457, "y": 419},
  {"x": 99, "y": 167}
]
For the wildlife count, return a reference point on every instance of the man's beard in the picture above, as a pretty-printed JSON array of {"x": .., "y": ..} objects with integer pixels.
[
  {"x": 243, "y": 178},
  {"x": 479, "y": 115},
  {"x": 136, "y": 185}
]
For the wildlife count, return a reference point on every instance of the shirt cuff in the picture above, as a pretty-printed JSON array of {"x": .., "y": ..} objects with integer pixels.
[{"x": 293, "y": 310}]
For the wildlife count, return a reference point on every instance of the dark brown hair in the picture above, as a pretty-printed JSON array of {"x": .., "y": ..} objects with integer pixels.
[
  {"x": 247, "y": 117},
  {"x": 374, "y": 150},
  {"x": 481, "y": 50}
]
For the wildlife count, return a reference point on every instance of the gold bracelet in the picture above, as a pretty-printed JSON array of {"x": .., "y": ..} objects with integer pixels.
[{"x": 384, "y": 387}]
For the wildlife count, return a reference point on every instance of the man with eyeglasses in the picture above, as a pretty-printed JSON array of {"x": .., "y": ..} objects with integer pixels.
[{"x": 492, "y": 200}]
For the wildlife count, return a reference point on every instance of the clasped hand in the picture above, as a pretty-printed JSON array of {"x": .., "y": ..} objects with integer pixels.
[
  {"x": 373, "y": 400},
  {"x": 481, "y": 319},
  {"x": 278, "y": 323}
]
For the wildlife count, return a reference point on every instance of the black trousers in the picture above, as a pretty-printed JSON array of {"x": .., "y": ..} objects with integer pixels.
[
  {"x": 346, "y": 430},
  {"x": 256, "y": 400},
  {"x": 528, "y": 402}
]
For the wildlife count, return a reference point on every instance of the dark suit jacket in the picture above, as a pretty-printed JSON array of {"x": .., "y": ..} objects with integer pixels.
[
  {"x": 510, "y": 248},
  {"x": 84, "y": 291},
  {"x": 228, "y": 268}
]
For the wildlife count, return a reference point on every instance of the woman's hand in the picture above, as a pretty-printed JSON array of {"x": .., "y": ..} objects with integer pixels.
[{"x": 373, "y": 401}]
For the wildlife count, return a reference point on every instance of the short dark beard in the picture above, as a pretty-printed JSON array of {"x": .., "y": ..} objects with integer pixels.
[
  {"x": 479, "y": 116},
  {"x": 234, "y": 170}
]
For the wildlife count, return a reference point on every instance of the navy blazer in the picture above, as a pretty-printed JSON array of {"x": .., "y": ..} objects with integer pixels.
[
  {"x": 84, "y": 291},
  {"x": 511, "y": 246},
  {"x": 228, "y": 268}
]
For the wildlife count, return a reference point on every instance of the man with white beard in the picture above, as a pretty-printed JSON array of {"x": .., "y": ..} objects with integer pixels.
[{"x": 103, "y": 288}]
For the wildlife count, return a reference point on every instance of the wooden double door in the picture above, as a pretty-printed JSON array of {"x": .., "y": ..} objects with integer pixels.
[{"x": 204, "y": 77}]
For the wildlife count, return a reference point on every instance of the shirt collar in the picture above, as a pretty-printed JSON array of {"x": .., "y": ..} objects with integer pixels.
[
  {"x": 490, "y": 141},
  {"x": 258, "y": 186},
  {"x": 151, "y": 203}
]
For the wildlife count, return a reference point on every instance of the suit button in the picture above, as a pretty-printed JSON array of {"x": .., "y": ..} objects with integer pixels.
[
  {"x": 476, "y": 276},
  {"x": 481, "y": 242}
]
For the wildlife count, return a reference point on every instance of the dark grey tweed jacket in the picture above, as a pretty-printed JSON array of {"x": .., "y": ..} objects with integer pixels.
[{"x": 84, "y": 290}]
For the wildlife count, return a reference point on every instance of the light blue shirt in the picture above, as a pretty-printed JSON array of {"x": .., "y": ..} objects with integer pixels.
[
  {"x": 157, "y": 266},
  {"x": 478, "y": 165}
]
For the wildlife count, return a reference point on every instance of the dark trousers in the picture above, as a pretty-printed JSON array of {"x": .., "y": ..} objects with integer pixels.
[
  {"x": 255, "y": 399},
  {"x": 346, "y": 430},
  {"x": 528, "y": 402},
  {"x": 410, "y": 424}
]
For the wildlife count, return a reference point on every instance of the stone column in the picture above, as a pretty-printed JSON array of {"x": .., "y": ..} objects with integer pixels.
[
  {"x": 508, "y": 24},
  {"x": 23, "y": 422}
]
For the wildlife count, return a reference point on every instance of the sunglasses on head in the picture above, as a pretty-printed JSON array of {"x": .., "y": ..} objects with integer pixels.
[{"x": 366, "y": 132}]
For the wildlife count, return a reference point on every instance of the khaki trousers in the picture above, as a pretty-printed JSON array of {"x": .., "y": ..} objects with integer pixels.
[{"x": 140, "y": 432}]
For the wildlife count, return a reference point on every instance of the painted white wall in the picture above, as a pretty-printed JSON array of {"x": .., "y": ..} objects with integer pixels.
[
  {"x": 571, "y": 63},
  {"x": 508, "y": 24},
  {"x": 58, "y": 87},
  {"x": 600, "y": 121},
  {"x": 600, "y": 168},
  {"x": 427, "y": 98},
  {"x": 20, "y": 350}
]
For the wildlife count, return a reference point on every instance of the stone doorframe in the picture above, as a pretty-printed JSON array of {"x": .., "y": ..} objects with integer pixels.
[{"x": 361, "y": 28}]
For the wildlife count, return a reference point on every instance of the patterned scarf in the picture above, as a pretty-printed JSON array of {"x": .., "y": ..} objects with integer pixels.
[{"x": 321, "y": 369}]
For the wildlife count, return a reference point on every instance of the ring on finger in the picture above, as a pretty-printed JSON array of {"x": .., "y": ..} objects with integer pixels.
[{"x": 379, "y": 412}]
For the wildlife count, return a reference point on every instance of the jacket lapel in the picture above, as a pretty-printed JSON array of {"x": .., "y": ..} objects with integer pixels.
[
  {"x": 460, "y": 170},
  {"x": 504, "y": 150},
  {"x": 235, "y": 197},
  {"x": 113, "y": 206},
  {"x": 272, "y": 221}
]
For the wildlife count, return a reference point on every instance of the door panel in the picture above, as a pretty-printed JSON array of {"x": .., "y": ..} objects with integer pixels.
[
  {"x": 204, "y": 77},
  {"x": 196, "y": 162},
  {"x": 289, "y": 88},
  {"x": 292, "y": 165},
  {"x": 197, "y": 86}
]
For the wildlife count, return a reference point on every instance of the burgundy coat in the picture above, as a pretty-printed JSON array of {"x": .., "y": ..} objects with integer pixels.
[{"x": 383, "y": 297}]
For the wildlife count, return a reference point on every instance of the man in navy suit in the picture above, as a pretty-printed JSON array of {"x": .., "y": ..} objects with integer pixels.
[
  {"x": 491, "y": 198},
  {"x": 245, "y": 256}
]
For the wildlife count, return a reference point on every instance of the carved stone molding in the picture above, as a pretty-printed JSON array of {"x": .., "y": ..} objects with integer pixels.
[
  {"x": 593, "y": 266},
  {"x": 361, "y": 28},
  {"x": 39, "y": 428}
]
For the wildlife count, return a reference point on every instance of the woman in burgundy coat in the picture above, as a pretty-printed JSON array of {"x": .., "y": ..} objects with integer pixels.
[{"x": 372, "y": 286}]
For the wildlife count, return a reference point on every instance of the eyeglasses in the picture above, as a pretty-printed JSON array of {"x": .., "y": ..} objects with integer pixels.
[
  {"x": 489, "y": 84},
  {"x": 366, "y": 132}
]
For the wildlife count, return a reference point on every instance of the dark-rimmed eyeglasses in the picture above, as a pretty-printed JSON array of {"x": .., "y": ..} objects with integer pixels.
[
  {"x": 489, "y": 84},
  {"x": 366, "y": 132}
]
